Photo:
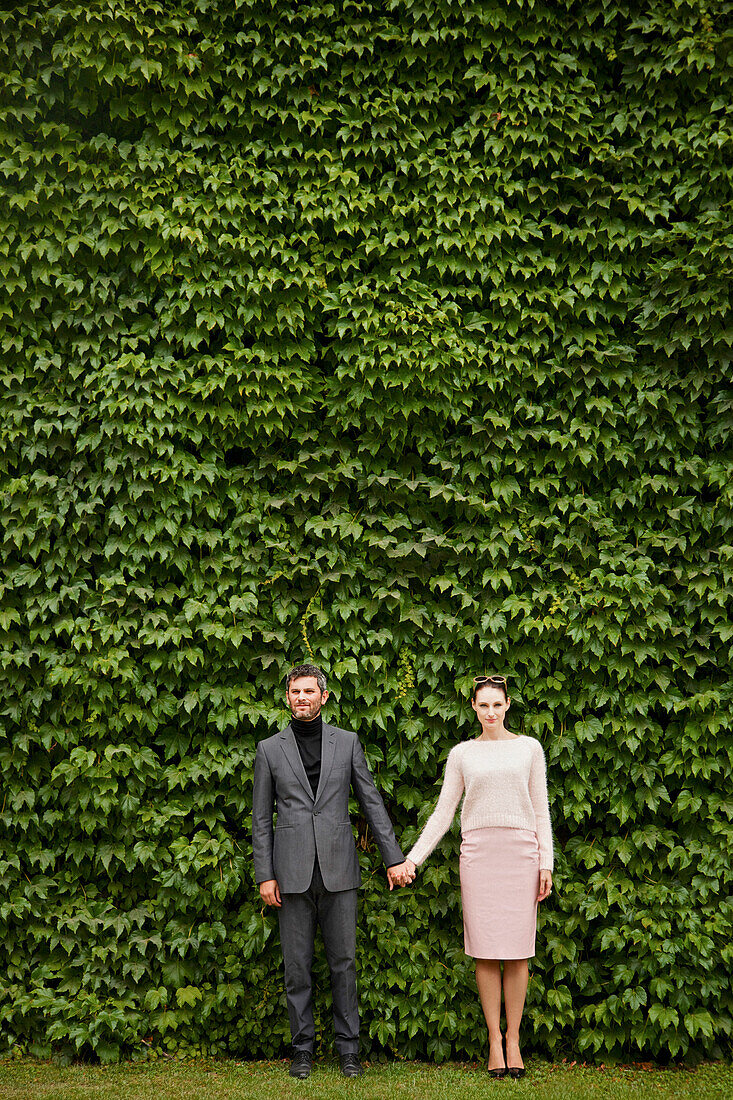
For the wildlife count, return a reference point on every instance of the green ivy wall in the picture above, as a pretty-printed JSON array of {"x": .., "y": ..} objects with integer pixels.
[{"x": 394, "y": 335}]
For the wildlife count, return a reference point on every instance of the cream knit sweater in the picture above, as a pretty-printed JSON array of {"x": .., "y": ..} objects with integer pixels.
[{"x": 505, "y": 785}]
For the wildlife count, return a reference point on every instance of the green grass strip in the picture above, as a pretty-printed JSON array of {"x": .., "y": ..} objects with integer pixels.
[{"x": 32, "y": 1080}]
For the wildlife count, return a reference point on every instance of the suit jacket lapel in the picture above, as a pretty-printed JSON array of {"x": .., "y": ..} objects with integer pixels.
[
  {"x": 294, "y": 759},
  {"x": 327, "y": 750}
]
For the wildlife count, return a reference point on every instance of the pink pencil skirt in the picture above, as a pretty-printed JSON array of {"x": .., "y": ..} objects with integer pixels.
[{"x": 500, "y": 877}]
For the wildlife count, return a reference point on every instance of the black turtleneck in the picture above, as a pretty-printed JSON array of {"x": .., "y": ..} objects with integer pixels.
[{"x": 308, "y": 739}]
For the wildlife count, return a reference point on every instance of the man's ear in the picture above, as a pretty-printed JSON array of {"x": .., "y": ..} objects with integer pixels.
[{"x": 324, "y": 696}]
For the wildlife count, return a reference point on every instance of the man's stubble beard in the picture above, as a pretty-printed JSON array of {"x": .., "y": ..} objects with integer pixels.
[{"x": 304, "y": 716}]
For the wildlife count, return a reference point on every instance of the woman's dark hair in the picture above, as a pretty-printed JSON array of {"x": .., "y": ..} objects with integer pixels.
[{"x": 497, "y": 682}]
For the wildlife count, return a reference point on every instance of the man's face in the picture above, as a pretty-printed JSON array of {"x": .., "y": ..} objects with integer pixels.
[{"x": 305, "y": 698}]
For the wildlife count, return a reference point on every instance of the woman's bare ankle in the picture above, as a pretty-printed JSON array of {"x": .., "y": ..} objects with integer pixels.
[
  {"x": 513, "y": 1052},
  {"x": 496, "y": 1051}
]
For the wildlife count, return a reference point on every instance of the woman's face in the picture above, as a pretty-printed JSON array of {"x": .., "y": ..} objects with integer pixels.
[{"x": 490, "y": 706}]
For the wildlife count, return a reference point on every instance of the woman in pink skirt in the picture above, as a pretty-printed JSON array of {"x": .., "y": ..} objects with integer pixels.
[{"x": 506, "y": 859}]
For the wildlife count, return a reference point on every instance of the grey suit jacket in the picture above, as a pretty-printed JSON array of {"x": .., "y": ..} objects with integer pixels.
[{"x": 307, "y": 825}]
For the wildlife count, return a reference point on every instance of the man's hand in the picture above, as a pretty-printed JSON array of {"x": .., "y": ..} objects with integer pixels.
[
  {"x": 270, "y": 893},
  {"x": 402, "y": 874},
  {"x": 545, "y": 885}
]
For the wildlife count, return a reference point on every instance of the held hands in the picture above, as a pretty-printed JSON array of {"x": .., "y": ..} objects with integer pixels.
[
  {"x": 402, "y": 874},
  {"x": 270, "y": 893},
  {"x": 545, "y": 885}
]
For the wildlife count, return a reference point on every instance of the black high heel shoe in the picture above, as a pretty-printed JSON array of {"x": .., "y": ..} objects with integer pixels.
[
  {"x": 515, "y": 1072},
  {"x": 499, "y": 1072}
]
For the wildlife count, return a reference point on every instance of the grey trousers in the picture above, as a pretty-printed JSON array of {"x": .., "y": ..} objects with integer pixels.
[{"x": 335, "y": 913}]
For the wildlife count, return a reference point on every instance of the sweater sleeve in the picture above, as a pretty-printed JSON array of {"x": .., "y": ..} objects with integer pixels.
[
  {"x": 540, "y": 805},
  {"x": 439, "y": 821}
]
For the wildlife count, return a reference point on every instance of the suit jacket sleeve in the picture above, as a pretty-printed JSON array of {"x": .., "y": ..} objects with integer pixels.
[
  {"x": 373, "y": 807},
  {"x": 263, "y": 806}
]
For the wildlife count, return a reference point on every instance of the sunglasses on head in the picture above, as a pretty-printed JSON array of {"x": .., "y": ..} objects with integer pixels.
[{"x": 489, "y": 679}]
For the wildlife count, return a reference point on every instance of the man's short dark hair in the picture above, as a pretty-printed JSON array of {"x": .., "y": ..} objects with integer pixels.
[{"x": 307, "y": 670}]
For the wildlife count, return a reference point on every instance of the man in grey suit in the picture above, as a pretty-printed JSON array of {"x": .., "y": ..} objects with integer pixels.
[{"x": 307, "y": 866}]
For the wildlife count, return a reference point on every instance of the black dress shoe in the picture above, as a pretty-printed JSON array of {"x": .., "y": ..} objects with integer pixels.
[
  {"x": 301, "y": 1065},
  {"x": 350, "y": 1065}
]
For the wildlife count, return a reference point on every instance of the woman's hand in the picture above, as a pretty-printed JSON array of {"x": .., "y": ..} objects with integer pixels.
[
  {"x": 402, "y": 874},
  {"x": 545, "y": 885}
]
